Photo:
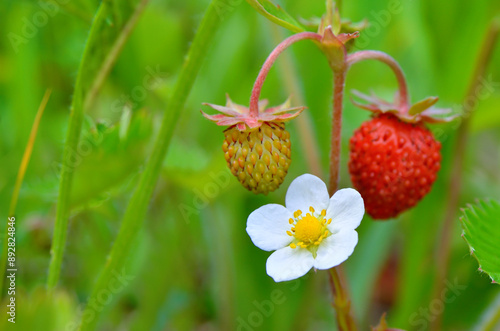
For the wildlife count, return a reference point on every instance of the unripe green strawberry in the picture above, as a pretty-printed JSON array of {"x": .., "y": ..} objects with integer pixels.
[
  {"x": 260, "y": 157},
  {"x": 256, "y": 148}
]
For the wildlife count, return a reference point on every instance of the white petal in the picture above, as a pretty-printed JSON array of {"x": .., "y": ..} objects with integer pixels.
[
  {"x": 289, "y": 263},
  {"x": 306, "y": 191},
  {"x": 267, "y": 227},
  {"x": 335, "y": 249},
  {"x": 346, "y": 209}
]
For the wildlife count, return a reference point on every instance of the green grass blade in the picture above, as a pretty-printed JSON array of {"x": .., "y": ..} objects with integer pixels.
[
  {"x": 102, "y": 49},
  {"x": 481, "y": 231},
  {"x": 136, "y": 209},
  {"x": 19, "y": 181}
]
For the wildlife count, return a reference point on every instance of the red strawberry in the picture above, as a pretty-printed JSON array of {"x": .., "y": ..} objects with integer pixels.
[{"x": 393, "y": 164}]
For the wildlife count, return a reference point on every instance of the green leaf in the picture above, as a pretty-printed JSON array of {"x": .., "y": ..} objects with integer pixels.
[
  {"x": 481, "y": 230},
  {"x": 111, "y": 159},
  {"x": 276, "y": 14}
]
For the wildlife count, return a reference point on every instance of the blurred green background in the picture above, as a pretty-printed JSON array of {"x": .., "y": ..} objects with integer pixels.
[{"x": 193, "y": 266}]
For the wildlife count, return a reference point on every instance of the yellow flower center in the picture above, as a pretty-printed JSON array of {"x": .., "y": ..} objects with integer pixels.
[{"x": 308, "y": 230}]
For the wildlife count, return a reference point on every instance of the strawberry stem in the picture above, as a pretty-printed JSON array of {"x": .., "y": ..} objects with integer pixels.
[
  {"x": 393, "y": 64},
  {"x": 289, "y": 79},
  {"x": 257, "y": 87},
  {"x": 341, "y": 301},
  {"x": 336, "y": 138},
  {"x": 341, "y": 298}
]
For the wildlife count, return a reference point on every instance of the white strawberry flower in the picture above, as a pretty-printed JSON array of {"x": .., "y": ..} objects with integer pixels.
[{"x": 313, "y": 231}]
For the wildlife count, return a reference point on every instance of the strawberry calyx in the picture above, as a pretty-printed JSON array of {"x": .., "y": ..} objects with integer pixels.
[
  {"x": 233, "y": 114},
  {"x": 421, "y": 111}
]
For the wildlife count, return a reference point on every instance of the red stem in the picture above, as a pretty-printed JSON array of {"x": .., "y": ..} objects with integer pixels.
[
  {"x": 341, "y": 298},
  {"x": 400, "y": 76},
  {"x": 257, "y": 87},
  {"x": 338, "y": 96}
]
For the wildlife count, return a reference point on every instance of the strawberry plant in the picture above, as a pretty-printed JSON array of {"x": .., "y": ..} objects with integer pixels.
[{"x": 127, "y": 209}]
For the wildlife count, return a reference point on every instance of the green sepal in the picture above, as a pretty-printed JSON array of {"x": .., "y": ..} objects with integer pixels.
[{"x": 422, "y": 105}]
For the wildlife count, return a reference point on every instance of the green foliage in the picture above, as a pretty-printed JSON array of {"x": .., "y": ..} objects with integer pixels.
[
  {"x": 481, "y": 226},
  {"x": 101, "y": 50},
  {"x": 115, "y": 152},
  {"x": 136, "y": 209},
  {"x": 276, "y": 14}
]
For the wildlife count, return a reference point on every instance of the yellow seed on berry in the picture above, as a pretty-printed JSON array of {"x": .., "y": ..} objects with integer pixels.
[
  {"x": 282, "y": 161},
  {"x": 259, "y": 149},
  {"x": 257, "y": 176},
  {"x": 241, "y": 161},
  {"x": 268, "y": 146},
  {"x": 249, "y": 168},
  {"x": 268, "y": 177},
  {"x": 273, "y": 168},
  {"x": 276, "y": 157},
  {"x": 267, "y": 159},
  {"x": 242, "y": 176},
  {"x": 268, "y": 131},
  {"x": 278, "y": 133},
  {"x": 260, "y": 167},
  {"x": 253, "y": 158},
  {"x": 234, "y": 135}
]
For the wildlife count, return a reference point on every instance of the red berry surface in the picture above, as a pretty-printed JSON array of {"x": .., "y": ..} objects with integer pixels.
[{"x": 393, "y": 164}]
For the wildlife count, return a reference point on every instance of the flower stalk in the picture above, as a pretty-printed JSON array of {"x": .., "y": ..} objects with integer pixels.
[
  {"x": 404, "y": 97},
  {"x": 341, "y": 299},
  {"x": 341, "y": 302},
  {"x": 257, "y": 87},
  {"x": 308, "y": 141},
  {"x": 336, "y": 139},
  {"x": 335, "y": 52}
]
